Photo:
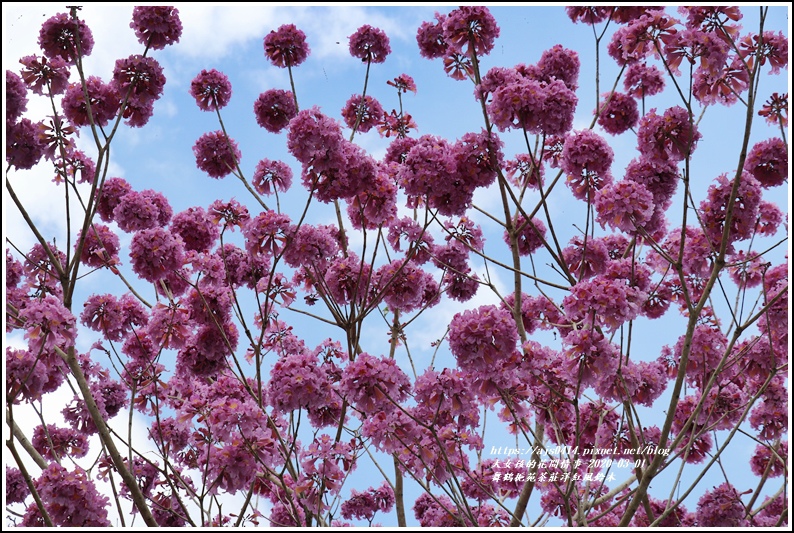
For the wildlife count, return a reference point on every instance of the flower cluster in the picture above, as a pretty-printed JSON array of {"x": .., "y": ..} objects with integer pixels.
[
  {"x": 216, "y": 154},
  {"x": 156, "y": 26},
  {"x": 286, "y": 46},
  {"x": 369, "y": 44},
  {"x": 211, "y": 89}
]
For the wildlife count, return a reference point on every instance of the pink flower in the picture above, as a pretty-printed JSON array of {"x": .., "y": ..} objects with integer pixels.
[
  {"x": 768, "y": 162},
  {"x": 216, "y": 154},
  {"x": 643, "y": 80},
  {"x": 266, "y": 233},
  {"x": 670, "y": 137},
  {"x": 110, "y": 195},
  {"x": 298, "y": 382},
  {"x": 590, "y": 15},
  {"x": 770, "y": 47},
  {"x": 45, "y": 75},
  {"x": 270, "y": 176},
  {"x": 376, "y": 205},
  {"x": 142, "y": 210},
  {"x": 347, "y": 279},
  {"x": 101, "y": 247},
  {"x": 16, "y": 97},
  {"x": 529, "y": 235},
  {"x": 765, "y": 460},
  {"x": 533, "y": 106},
  {"x": 57, "y": 443},
  {"x": 470, "y": 27},
  {"x": 558, "y": 63},
  {"x": 211, "y": 89},
  {"x": 624, "y": 205},
  {"x": 713, "y": 210},
  {"x": 104, "y": 100},
  {"x": 195, "y": 227},
  {"x": 274, "y": 109},
  {"x": 362, "y": 115},
  {"x": 66, "y": 38},
  {"x": 775, "y": 109},
  {"x": 71, "y": 499},
  {"x": 155, "y": 252},
  {"x": 721, "y": 507},
  {"x": 586, "y": 159},
  {"x": 48, "y": 324},
  {"x": 373, "y": 384},
  {"x": 403, "y": 83},
  {"x": 156, "y": 26},
  {"x": 286, "y": 47},
  {"x": 24, "y": 144},
  {"x": 430, "y": 38},
  {"x": 139, "y": 79},
  {"x": 481, "y": 338},
  {"x": 369, "y": 44},
  {"x": 618, "y": 114}
]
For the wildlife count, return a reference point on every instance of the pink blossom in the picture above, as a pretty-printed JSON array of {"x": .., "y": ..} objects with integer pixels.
[
  {"x": 48, "y": 324},
  {"x": 624, "y": 205},
  {"x": 156, "y": 252},
  {"x": 430, "y": 38},
  {"x": 24, "y": 144},
  {"x": 470, "y": 29},
  {"x": 533, "y": 106},
  {"x": 347, "y": 278},
  {"x": 16, "y": 97},
  {"x": 66, "y": 38},
  {"x": 76, "y": 166},
  {"x": 670, "y": 137},
  {"x": 770, "y": 460},
  {"x": 559, "y": 63},
  {"x": 57, "y": 443},
  {"x": 530, "y": 235},
  {"x": 480, "y": 338},
  {"x": 721, "y": 507},
  {"x": 376, "y": 205},
  {"x": 266, "y": 233},
  {"x": 71, "y": 499},
  {"x": 109, "y": 196},
  {"x": 286, "y": 46},
  {"x": 271, "y": 176},
  {"x": 195, "y": 227},
  {"x": 216, "y": 154},
  {"x": 45, "y": 76},
  {"x": 634, "y": 42},
  {"x": 211, "y": 89},
  {"x": 770, "y": 46},
  {"x": 643, "y": 80},
  {"x": 364, "y": 505},
  {"x": 374, "y": 384},
  {"x": 713, "y": 210},
  {"x": 104, "y": 99},
  {"x": 139, "y": 79},
  {"x": 142, "y": 210},
  {"x": 403, "y": 83},
  {"x": 362, "y": 115},
  {"x": 274, "y": 109},
  {"x": 15, "y": 487},
  {"x": 619, "y": 114},
  {"x": 156, "y": 26},
  {"x": 369, "y": 44},
  {"x": 298, "y": 382},
  {"x": 768, "y": 162},
  {"x": 590, "y": 15},
  {"x": 100, "y": 248}
]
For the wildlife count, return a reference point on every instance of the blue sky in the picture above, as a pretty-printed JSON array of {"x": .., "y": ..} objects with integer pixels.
[{"x": 229, "y": 38}]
